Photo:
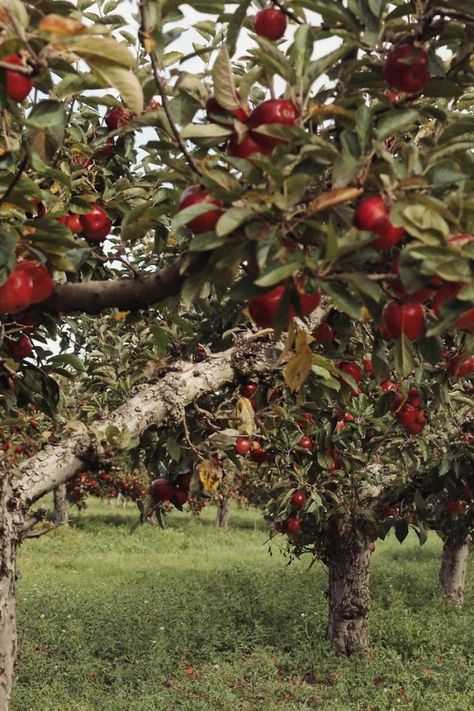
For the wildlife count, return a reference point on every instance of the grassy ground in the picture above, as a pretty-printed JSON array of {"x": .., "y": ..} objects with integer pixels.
[{"x": 196, "y": 619}]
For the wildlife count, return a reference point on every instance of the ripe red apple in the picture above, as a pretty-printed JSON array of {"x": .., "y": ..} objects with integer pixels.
[
  {"x": 324, "y": 334},
  {"x": 306, "y": 443},
  {"x": 415, "y": 428},
  {"x": 18, "y": 85},
  {"x": 107, "y": 150},
  {"x": 272, "y": 111},
  {"x": 194, "y": 195},
  {"x": 73, "y": 222},
  {"x": 368, "y": 366},
  {"x": 419, "y": 296},
  {"x": 257, "y": 453},
  {"x": 248, "y": 390},
  {"x": 246, "y": 147},
  {"x": 117, "y": 117},
  {"x": 369, "y": 213},
  {"x": 180, "y": 497},
  {"x": 162, "y": 489},
  {"x": 270, "y": 23},
  {"x": 352, "y": 369},
  {"x": 463, "y": 369},
  {"x": 213, "y": 107},
  {"x": 242, "y": 446},
  {"x": 298, "y": 499},
  {"x": 42, "y": 280},
  {"x": 183, "y": 481},
  {"x": 405, "y": 68},
  {"x": 16, "y": 292},
  {"x": 454, "y": 506},
  {"x": 407, "y": 414},
  {"x": 389, "y": 235},
  {"x": 404, "y": 318},
  {"x": 293, "y": 526},
  {"x": 465, "y": 321},
  {"x": 263, "y": 308},
  {"x": 96, "y": 224},
  {"x": 21, "y": 348},
  {"x": 414, "y": 398}
]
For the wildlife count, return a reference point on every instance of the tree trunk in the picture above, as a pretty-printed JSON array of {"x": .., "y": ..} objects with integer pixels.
[
  {"x": 452, "y": 574},
  {"x": 223, "y": 512},
  {"x": 349, "y": 597},
  {"x": 8, "y": 545},
  {"x": 61, "y": 513}
]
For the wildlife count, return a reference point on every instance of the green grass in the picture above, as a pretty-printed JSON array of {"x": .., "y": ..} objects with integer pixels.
[{"x": 196, "y": 619}]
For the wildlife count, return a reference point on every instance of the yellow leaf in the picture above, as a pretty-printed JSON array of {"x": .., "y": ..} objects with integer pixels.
[
  {"x": 365, "y": 314},
  {"x": 210, "y": 476},
  {"x": 120, "y": 315},
  {"x": 299, "y": 367},
  {"x": 245, "y": 416},
  {"x": 331, "y": 198},
  {"x": 59, "y": 25},
  {"x": 326, "y": 110}
]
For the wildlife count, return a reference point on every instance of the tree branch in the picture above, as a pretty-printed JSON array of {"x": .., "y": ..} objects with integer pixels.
[{"x": 15, "y": 179}]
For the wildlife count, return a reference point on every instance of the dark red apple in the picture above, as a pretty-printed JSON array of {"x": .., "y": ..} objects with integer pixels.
[
  {"x": 298, "y": 499},
  {"x": 465, "y": 321},
  {"x": 306, "y": 443},
  {"x": 42, "y": 280},
  {"x": 117, "y": 117},
  {"x": 195, "y": 195},
  {"x": 242, "y": 446},
  {"x": 246, "y": 147},
  {"x": 96, "y": 224},
  {"x": 21, "y": 348},
  {"x": 352, "y": 369},
  {"x": 162, "y": 489},
  {"x": 16, "y": 292},
  {"x": 213, "y": 109},
  {"x": 272, "y": 111},
  {"x": 369, "y": 213},
  {"x": 461, "y": 369},
  {"x": 270, "y": 23},
  {"x": 73, "y": 222},
  {"x": 293, "y": 526},
  {"x": 18, "y": 85},
  {"x": 404, "y": 318},
  {"x": 248, "y": 390},
  {"x": 405, "y": 68},
  {"x": 324, "y": 334}
]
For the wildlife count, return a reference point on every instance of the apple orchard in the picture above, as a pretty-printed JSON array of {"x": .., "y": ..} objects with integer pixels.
[{"x": 256, "y": 267}]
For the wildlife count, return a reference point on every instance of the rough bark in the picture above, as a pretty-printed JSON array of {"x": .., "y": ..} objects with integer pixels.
[
  {"x": 349, "y": 597},
  {"x": 223, "y": 512},
  {"x": 61, "y": 512},
  {"x": 9, "y": 527},
  {"x": 452, "y": 573}
]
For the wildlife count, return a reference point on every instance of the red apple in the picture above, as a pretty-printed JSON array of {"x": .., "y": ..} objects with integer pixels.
[
  {"x": 194, "y": 195},
  {"x": 415, "y": 428},
  {"x": 242, "y": 446},
  {"x": 272, "y": 111},
  {"x": 454, "y": 506},
  {"x": 447, "y": 292},
  {"x": 263, "y": 308},
  {"x": 246, "y": 147},
  {"x": 162, "y": 489},
  {"x": 248, "y": 390},
  {"x": 298, "y": 499},
  {"x": 368, "y": 366},
  {"x": 414, "y": 398},
  {"x": 180, "y": 497},
  {"x": 463, "y": 369},
  {"x": 324, "y": 334},
  {"x": 293, "y": 526},
  {"x": 16, "y": 292},
  {"x": 405, "y": 68},
  {"x": 404, "y": 318},
  {"x": 21, "y": 348},
  {"x": 352, "y": 369},
  {"x": 18, "y": 85},
  {"x": 213, "y": 107},
  {"x": 96, "y": 224},
  {"x": 306, "y": 443},
  {"x": 407, "y": 414},
  {"x": 73, "y": 222},
  {"x": 257, "y": 453},
  {"x": 42, "y": 281},
  {"x": 117, "y": 117},
  {"x": 389, "y": 235},
  {"x": 420, "y": 295},
  {"x": 270, "y": 23},
  {"x": 369, "y": 213}
]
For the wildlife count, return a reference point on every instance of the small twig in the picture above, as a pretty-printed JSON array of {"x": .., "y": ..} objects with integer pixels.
[
  {"x": 143, "y": 33},
  {"x": 188, "y": 437},
  {"x": 15, "y": 180},
  {"x": 32, "y": 520},
  {"x": 37, "y": 533},
  {"x": 17, "y": 68},
  {"x": 287, "y": 12}
]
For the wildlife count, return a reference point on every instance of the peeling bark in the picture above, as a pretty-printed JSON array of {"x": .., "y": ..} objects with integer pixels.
[
  {"x": 452, "y": 574},
  {"x": 9, "y": 526},
  {"x": 223, "y": 512},
  {"x": 61, "y": 513},
  {"x": 349, "y": 597}
]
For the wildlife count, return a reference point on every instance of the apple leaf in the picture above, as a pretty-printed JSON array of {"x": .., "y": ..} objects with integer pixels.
[
  {"x": 121, "y": 79},
  {"x": 223, "y": 79}
]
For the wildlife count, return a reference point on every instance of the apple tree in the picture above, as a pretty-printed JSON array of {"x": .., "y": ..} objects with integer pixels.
[{"x": 255, "y": 174}]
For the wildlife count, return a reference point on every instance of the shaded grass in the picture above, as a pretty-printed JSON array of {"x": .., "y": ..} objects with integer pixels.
[{"x": 198, "y": 619}]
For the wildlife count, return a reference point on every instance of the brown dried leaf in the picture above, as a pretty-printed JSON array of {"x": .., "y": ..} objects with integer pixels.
[
  {"x": 59, "y": 25},
  {"x": 210, "y": 476},
  {"x": 331, "y": 198},
  {"x": 299, "y": 367}
]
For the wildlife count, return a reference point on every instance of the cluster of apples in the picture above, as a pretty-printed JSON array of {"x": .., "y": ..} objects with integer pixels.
[
  {"x": 94, "y": 225},
  {"x": 163, "y": 490},
  {"x": 30, "y": 283},
  {"x": 245, "y": 447},
  {"x": 103, "y": 485},
  {"x": 408, "y": 410},
  {"x": 292, "y": 525}
]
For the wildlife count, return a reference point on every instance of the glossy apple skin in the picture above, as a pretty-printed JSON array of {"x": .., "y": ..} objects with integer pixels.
[
  {"x": 21, "y": 348},
  {"x": 194, "y": 195},
  {"x": 272, "y": 111},
  {"x": 16, "y": 292},
  {"x": 352, "y": 369},
  {"x": 409, "y": 319},
  {"x": 324, "y": 334},
  {"x": 465, "y": 322},
  {"x": 461, "y": 369},
  {"x": 18, "y": 85},
  {"x": 246, "y": 147},
  {"x": 42, "y": 281},
  {"x": 213, "y": 107},
  {"x": 73, "y": 222},
  {"x": 405, "y": 69},
  {"x": 242, "y": 446},
  {"x": 372, "y": 215},
  {"x": 96, "y": 224},
  {"x": 162, "y": 489},
  {"x": 270, "y": 23},
  {"x": 263, "y": 308},
  {"x": 298, "y": 499},
  {"x": 117, "y": 117},
  {"x": 389, "y": 235}
]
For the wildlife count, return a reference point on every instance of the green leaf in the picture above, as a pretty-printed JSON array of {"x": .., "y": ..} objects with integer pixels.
[
  {"x": 68, "y": 359},
  {"x": 235, "y": 24},
  {"x": 404, "y": 356},
  {"x": 318, "y": 67},
  {"x": 333, "y": 13},
  {"x": 232, "y": 219},
  {"x": 102, "y": 49},
  {"x": 126, "y": 83},
  {"x": 343, "y": 299},
  {"x": 205, "y": 130},
  {"x": 278, "y": 275},
  {"x": 395, "y": 122},
  {"x": 47, "y": 113},
  {"x": 223, "y": 79},
  {"x": 401, "y": 530}
]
